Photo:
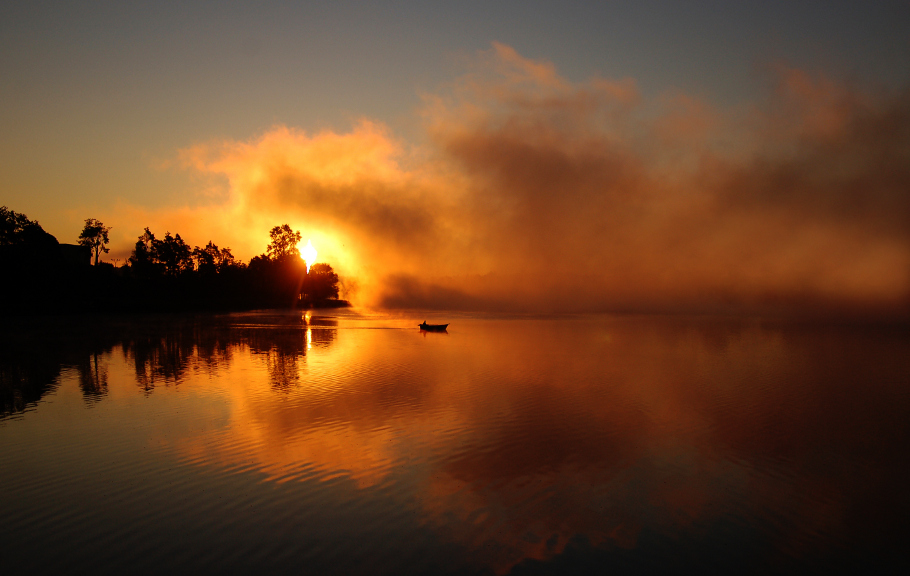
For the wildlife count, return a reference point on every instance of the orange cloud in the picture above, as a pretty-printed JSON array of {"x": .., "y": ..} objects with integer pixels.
[{"x": 535, "y": 192}]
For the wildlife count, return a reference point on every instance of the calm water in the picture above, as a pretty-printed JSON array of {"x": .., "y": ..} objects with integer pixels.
[{"x": 350, "y": 444}]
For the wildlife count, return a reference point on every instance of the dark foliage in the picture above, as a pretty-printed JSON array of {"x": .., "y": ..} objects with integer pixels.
[{"x": 321, "y": 283}]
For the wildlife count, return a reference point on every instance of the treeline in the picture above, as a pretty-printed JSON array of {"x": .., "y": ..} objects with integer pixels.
[{"x": 162, "y": 274}]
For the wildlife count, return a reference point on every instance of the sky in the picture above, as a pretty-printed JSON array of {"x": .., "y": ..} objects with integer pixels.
[{"x": 522, "y": 155}]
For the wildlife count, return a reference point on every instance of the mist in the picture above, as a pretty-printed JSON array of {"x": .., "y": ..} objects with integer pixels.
[{"x": 530, "y": 192}]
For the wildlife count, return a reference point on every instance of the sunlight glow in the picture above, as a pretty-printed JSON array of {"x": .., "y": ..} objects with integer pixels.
[{"x": 308, "y": 253}]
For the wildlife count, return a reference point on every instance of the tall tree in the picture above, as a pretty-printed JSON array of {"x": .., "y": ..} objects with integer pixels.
[
  {"x": 284, "y": 242},
  {"x": 94, "y": 235},
  {"x": 142, "y": 254}
]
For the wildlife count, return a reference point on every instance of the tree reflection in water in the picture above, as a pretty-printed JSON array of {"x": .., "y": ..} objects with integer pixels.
[
  {"x": 33, "y": 355},
  {"x": 163, "y": 357},
  {"x": 161, "y": 351},
  {"x": 284, "y": 348},
  {"x": 280, "y": 350},
  {"x": 93, "y": 378},
  {"x": 24, "y": 376}
]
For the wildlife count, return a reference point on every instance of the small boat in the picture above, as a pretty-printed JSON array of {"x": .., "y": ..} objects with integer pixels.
[{"x": 432, "y": 327}]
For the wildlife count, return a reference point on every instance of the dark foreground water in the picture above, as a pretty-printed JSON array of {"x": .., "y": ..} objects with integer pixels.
[{"x": 349, "y": 444}]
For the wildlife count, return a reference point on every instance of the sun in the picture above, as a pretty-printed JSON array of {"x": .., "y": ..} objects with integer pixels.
[{"x": 308, "y": 253}]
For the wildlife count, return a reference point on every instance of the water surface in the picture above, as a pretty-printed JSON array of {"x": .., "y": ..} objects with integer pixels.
[{"x": 341, "y": 443}]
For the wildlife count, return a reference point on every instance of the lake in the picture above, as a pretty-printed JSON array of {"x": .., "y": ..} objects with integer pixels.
[{"x": 338, "y": 442}]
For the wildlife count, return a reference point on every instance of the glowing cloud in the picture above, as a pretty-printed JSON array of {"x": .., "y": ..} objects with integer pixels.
[{"x": 537, "y": 193}]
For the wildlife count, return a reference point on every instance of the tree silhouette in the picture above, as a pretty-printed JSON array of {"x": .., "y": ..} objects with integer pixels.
[
  {"x": 211, "y": 259},
  {"x": 174, "y": 253},
  {"x": 94, "y": 235},
  {"x": 162, "y": 274},
  {"x": 321, "y": 283},
  {"x": 170, "y": 256},
  {"x": 17, "y": 229},
  {"x": 142, "y": 260},
  {"x": 284, "y": 242},
  {"x": 205, "y": 259}
]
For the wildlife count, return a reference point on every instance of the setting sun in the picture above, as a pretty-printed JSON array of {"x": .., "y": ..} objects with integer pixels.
[{"x": 308, "y": 253}]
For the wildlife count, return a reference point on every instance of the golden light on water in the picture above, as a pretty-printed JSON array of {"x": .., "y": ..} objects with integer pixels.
[{"x": 308, "y": 253}]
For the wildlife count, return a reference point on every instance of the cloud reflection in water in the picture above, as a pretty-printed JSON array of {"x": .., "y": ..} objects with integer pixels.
[{"x": 528, "y": 443}]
